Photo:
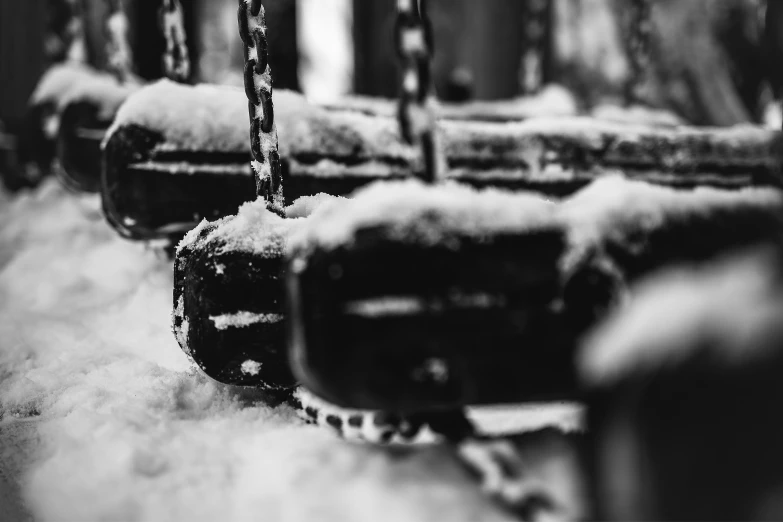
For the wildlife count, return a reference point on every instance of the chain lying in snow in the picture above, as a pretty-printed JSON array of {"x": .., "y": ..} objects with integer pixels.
[
  {"x": 120, "y": 57},
  {"x": 496, "y": 463},
  {"x": 176, "y": 61},
  {"x": 258, "y": 88},
  {"x": 638, "y": 39},
  {"x": 413, "y": 37},
  {"x": 534, "y": 44}
]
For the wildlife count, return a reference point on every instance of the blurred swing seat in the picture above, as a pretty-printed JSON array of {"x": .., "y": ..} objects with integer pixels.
[
  {"x": 84, "y": 121},
  {"x": 394, "y": 307}
]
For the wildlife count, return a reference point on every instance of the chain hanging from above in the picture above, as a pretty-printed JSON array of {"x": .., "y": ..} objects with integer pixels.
[
  {"x": 258, "y": 88},
  {"x": 417, "y": 119},
  {"x": 176, "y": 60},
  {"x": 118, "y": 49},
  {"x": 638, "y": 39},
  {"x": 496, "y": 460},
  {"x": 64, "y": 31},
  {"x": 535, "y": 43}
]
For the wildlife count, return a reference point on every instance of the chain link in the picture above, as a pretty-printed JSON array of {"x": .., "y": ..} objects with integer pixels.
[
  {"x": 534, "y": 44},
  {"x": 63, "y": 29},
  {"x": 77, "y": 46},
  {"x": 414, "y": 43},
  {"x": 638, "y": 40},
  {"x": 118, "y": 50},
  {"x": 176, "y": 60},
  {"x": 258, "y": 88}
]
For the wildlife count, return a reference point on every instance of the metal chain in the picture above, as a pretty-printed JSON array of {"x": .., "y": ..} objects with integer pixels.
[
  {"x": 63, "y": 29},
  {"x": 534, "y": 45},
  {"x": 77, "y": 46},
  {"x": 118, "y": 50},
  {"x": 414, "y": 43},
  {"x": 258, "y": 88},
  {"x": 638, "y": 38},
  {"x": 495, "y": 461},
  {"x": 176, "y": 60}
]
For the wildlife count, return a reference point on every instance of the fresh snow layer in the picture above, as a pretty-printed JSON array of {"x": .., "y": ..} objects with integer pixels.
[
  {"x": 412, "y": 210},
  {"x": 71, "y": 82},
  {"x": 636, "y": 114},
  {"x": 215, "y": 118},
  {"x": 611, "y": 209},
  {"x": 255, "y": 229},
  {"x": 614, "y": 208},
  {"x": 553, "y": 101},
  {"x": 126, "y": 429},
  {"x": 209, "y": 117},
  {"x": 190, "y": 117},
  {"x": 242, "y": 319}
]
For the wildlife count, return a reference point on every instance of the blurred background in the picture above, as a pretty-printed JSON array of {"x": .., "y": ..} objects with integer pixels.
[
  {"x": 710, "y": 63},
  {"x": 705, "y": 62},
  {"x": 707, "y": 56}
]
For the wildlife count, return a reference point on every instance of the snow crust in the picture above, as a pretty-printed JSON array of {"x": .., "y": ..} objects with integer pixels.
[
  {"x": 201, "y": 117},
  {"x": 215, "y": 118},
  {"x": 412, "y": 210},
  {"x": 256, "y": 229},
  {"x": 628, "y": 125},
  {"x": 614, "y": 208},
  {"x": 241, "y": 319},
  {"x": 251, "y": 367},
  {"x": 611, "y": 209},
  {"x": 70, "y": 82},
  {"x": 553, "y": 101},
  {"x": 306, "y": 205}
]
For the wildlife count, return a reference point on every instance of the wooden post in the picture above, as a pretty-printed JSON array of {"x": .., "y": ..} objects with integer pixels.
[
  {"x": 492, "y": 46},
  {"x": 283, "y": 49},
  {"x": 376, "y": 66}
]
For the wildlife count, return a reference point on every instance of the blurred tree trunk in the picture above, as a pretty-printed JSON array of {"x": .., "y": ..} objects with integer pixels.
[
  {"x": 708, "y": 62},
  {"x": 284, "y": 51},
  {"x": 218, "y": 42},
  {"x": 773, "y": 44},
  {"x": 326, "y": 48},
  {"x": 376, "y": 65},
  {"x": 94, "y": 18}
]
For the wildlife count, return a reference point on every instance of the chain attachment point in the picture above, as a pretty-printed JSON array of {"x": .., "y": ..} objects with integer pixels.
[
  {"x": 176, "y": 60},
  {"x": 258, "y": 89},
  {"x": 414, "y": 45}
]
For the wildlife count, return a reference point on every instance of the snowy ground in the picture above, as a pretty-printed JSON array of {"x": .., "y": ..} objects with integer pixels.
[{"x": 103, "y": 418}]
